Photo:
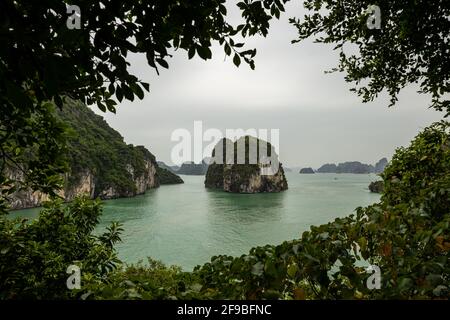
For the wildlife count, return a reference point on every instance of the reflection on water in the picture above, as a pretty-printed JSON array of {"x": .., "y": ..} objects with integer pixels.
[
  {"x": 244, "y": 208},
  {"x": 186, "y": 224}
]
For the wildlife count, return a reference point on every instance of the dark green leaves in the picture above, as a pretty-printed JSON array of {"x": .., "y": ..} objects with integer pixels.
[
  {"x": 191, "y": 52},
  {"x": 403, "y": 51},
  {"x": 204, "y": 52},
  {"x": 236, "y": 60},
  {"x": 35, "y": 256},
  {"x": 227, "y": 49},
  {"x": 163, "y": 63},
  {"x": 137, "y": 90}
]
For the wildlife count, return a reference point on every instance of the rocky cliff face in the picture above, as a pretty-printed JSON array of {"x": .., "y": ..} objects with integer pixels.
[
  {"x": 100, "y": 163},
  {"x": 86, "y": 183},
  {"x": 167, "y": 177},
  {"x": 242, "y": 178},
  {"x": 380, "y": 165},
  {"x": 234, "y": 180},
  {"x": 376, "y": 187}
]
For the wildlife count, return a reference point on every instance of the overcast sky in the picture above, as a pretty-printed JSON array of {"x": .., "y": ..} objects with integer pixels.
[{"x": 319, "y": 119}]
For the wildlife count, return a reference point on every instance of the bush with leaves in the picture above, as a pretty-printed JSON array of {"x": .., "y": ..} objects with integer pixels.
[
  {"x": 34, "y": 256},
  {"x": 153, "y": 280}
]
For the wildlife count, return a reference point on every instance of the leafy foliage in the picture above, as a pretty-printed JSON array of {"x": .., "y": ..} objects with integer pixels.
[
  {"x": 167, "y": 177},
  {"x": 153, "y": 280},
  {"x": 32, "y": 148},
  {"x": 34, "y": 256},
  {"x": 412, "y": 45}
]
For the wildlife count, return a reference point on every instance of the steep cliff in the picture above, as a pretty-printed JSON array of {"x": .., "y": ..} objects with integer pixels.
[
  {"x": 100, "y": 163},
  {"x": 230, "y": 176},
  {"x": 380, "y": 165}
]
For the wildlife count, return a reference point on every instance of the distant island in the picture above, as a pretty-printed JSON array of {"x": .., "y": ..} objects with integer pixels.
[
  {"x": 307, "y": 171},
  {"x": 167, "y": 177},
  {"x": 195, "y": 169},
  {"x": 189, "y": 168},
  {"x": 172, "y": 169},
  {"x": 243, "y": 178},
  {"x": 354, "y": 167}
]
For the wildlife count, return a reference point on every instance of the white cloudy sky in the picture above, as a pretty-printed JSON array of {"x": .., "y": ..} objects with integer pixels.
[{"x": 319, "y": 120}]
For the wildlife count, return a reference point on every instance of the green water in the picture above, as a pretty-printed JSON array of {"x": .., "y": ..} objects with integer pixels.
[{"x": 186, "y": 224}]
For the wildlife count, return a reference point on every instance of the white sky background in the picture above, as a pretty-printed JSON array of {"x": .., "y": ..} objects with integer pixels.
[{"x": 319, "y": 119}]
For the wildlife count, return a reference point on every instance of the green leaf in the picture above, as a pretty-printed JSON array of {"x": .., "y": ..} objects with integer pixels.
[
  {"x": 162, "y": 63},
  {"x": 146, "y": 86},
  {"x": 204, "y": 53},
  {"x": 191, "y": 52},
  {"x": 119, "y": 94},
  {"x": 237, "y": 60},
  {"x": 101, "y": 106},
  {"x": 227, "y": 49},
  {"x": 137, "y": 90},
  {"x": 292, "y": 270}
]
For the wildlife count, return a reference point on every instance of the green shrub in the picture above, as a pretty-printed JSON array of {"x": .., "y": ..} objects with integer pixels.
[{"x": 34, "y": 256}]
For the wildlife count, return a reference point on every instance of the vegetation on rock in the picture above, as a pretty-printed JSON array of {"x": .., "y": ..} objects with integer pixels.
[
  {"x": 307, "y": 171},
  {"x": 195, "y": 169},
  {"x": 353, "y": 167},
  {"x": 376, "y": 186},
  {"x": 167, "y": 177},
  {"x": 94, "y": 146},
  {"x": 230, "y": 176}
]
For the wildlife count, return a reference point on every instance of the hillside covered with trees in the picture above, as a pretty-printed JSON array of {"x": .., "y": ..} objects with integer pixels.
[{"x": 99, "y": 163}]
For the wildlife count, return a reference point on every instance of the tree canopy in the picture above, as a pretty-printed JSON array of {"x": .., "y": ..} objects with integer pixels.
[{"x": 412, "y": 45}]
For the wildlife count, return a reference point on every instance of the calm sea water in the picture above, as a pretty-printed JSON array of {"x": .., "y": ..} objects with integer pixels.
[{"x": 186, "y": 224}]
